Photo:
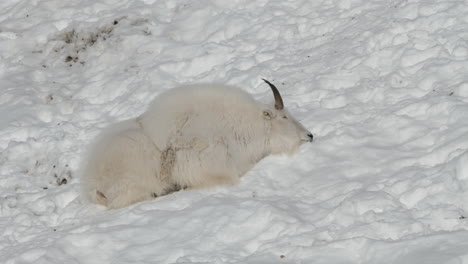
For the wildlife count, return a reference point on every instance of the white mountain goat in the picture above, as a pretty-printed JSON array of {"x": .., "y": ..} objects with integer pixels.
[{"x": 190, "y": 137}]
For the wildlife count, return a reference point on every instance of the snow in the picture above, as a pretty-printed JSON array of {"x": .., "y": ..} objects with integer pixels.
[{"x": 381, "y": 84}]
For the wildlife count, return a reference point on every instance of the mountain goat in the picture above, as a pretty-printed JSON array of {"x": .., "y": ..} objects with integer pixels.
[{"x": 190, "y": 137}]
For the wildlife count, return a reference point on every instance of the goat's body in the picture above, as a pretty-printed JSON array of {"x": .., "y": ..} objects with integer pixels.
[{"x": 176, "y": 144}]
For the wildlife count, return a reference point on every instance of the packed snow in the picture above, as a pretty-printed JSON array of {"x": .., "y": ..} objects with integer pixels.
[{"x": 382, "y": 85}]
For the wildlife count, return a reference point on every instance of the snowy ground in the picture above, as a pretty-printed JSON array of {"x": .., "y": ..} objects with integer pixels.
[{"x": 382, "y": 84}]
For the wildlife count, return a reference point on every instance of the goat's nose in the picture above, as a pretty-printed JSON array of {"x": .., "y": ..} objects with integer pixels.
[{"x": 311, "y": 137}]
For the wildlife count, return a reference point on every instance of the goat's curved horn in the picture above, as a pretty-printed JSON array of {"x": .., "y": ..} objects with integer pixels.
[{"x": 278, "y": 100}]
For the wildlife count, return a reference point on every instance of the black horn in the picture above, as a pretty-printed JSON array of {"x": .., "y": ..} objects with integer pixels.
[{"x": 278, "y": 100}]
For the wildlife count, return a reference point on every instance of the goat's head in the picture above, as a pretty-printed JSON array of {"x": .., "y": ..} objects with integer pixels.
[{"x": 287, "y": 134}]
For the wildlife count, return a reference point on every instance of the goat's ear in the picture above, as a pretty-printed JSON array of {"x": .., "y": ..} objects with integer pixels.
[{"x": 268, "y": 114}]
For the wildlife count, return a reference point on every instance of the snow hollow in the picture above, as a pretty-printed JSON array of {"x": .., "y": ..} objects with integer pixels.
[{"x": 382, "y": 84}]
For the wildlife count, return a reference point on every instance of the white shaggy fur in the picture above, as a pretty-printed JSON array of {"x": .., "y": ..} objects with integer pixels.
[{"x": 190, "y": 137}]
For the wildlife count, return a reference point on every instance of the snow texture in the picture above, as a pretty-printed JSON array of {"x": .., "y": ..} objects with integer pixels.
[{"x": 382, "y": 84}]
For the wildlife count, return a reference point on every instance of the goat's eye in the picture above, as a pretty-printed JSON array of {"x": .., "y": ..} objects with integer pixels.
[{"x": 285, "y": 117}]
